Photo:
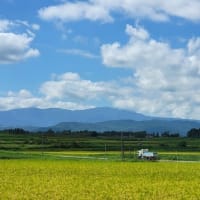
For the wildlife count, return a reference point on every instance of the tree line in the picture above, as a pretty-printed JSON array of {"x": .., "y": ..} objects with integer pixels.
[{"x": 194, "y": 132}]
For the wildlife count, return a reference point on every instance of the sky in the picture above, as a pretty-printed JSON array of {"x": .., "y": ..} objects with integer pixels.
[{"x": 137, "y": 55}]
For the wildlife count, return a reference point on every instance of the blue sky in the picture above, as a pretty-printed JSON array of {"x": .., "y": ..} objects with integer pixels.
[{"x": 129, "y": 54}]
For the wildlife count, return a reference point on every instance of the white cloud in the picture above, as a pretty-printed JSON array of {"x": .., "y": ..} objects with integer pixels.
[
  {"x": 137, "y": 33},
  {"x": 67, "y": 91},
  {"x": 71, "y": 86},
  {"x": 35, "y": 27},
  {"x": 14, "y": 46},
  {"x": 78, "y": 52},
  {"x": 75, "y": 11},
  {"x": 141, "y": 51},
  {"x": 5, "y": 25},
  {"x": 21, "y": 99},
  {"x": 70, "y": 91},
  {"x": 24, "y": 99},
  {"x": 165, "y": 80},
  {"x": 103, "y": 10}
]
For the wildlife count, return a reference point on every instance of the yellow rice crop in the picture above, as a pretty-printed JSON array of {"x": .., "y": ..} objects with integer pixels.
[{"x": 93, "y": 180}]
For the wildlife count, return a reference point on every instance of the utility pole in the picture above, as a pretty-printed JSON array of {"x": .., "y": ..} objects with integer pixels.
[
  {"x": 122, "y": 146},
  {"x": 42, "y": 144},
  {"x": 105, "y": 149}
]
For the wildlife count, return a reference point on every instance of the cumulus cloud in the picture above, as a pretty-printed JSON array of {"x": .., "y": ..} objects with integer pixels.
[
  {"x": 72, "y": 86},
  {"x": 140, "y": 51},
  {"x": 165, "y": 79},
  {"x": 21, "y": 99},
  {"x": 68, "y": 91},
  {"x": 15, "y": 46},
  {"x": 24, "y": 99},
  {"x": 75, "y": 11},
  {"x": 5, "y": 25},
  {"x": 103, "y": 10}
]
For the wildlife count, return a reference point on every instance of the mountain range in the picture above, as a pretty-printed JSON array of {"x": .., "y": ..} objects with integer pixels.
[
  {"x": 95, "y": 119},
  {"x": 48, "y": 117}
]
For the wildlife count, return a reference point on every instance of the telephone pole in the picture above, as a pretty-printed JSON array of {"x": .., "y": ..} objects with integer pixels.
[{"x": 122, "y": 146}]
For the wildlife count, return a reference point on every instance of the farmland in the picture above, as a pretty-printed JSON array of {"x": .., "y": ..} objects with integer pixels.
[
  {"x": 109, "y": 147},
  {"x": 62, "y": 167},
  {"x": 70, "y": 179},
  {"x": 84, "y": 141}
]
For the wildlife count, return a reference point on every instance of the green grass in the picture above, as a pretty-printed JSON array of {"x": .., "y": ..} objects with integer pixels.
[
  {"x": 95, "y": 155},
  {"x": 60, "y": 142},
  {"x": 58, "y": 146},
  {"x": 180, "y": 156}
]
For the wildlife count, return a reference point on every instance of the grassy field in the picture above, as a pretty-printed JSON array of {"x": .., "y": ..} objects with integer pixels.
[
  {"x": 83, "y": 179},
  {"x": 95, "y": 155},
  {"x": 62, "y": 146},
  {"x": 72, "y": 142},
  {"x": 34, "y": 146}
]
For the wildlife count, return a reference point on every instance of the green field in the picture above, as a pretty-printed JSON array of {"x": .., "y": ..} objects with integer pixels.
[
  {"x": 83, "y": 179},
  {"x": 96, "y": 155},
  {"x": 60, "y": 146},
  {"x": 85, "y": 142}
]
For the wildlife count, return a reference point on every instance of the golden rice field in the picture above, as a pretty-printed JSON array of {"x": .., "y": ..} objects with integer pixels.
[{"x": 93, "y": 180}]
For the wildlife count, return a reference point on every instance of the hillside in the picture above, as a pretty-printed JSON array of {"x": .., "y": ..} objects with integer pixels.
[
  {"x": 96, "y": 119},
  {"x": 151, "y": 126},
  {"x": 48, "y": 117}
]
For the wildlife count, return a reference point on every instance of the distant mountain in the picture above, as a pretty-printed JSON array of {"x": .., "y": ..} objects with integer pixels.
[
  {"x": 96, "y": 119},
  {"x": 48, "y": 117},
  {"x": 151, "y": 126}
]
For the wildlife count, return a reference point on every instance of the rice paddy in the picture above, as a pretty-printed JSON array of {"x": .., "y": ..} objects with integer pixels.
[
  {"x": 31, "y": 170},
  {"x": 84, "y": 179}
]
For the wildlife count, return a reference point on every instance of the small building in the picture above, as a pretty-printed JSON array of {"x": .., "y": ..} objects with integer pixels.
[{"x": 146, "y": 154}]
